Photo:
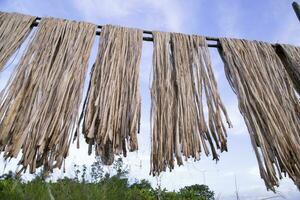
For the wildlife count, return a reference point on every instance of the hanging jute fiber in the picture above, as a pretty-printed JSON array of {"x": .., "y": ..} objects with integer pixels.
[
  {"x": 13, "y": 31},
  {"x": 290, "y": 56},
  {"x": 182, "y": 79},
  {"x": 269, "y": 106},
  {"x": 39, "y": 106},
  {"x": 112, "y": 109}
]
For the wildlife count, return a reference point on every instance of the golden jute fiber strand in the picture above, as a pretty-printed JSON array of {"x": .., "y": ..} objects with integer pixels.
[
  {"x": 39, "y": 106},
  {"x": 112, "y": 111},
  {"x": 269, "y": 106},
  {"x": 14, "y": 28},
  {"x": 182, "y": 79},
  {"x": 290, "y": 55}
]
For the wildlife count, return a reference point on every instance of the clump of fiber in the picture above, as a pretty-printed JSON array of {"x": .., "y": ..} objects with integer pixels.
[
  {"x": 269, "y": 106},
  {"x": 182, "y": 79},
  {"x": 112, "y": 109},
  {"x": 290, "y": 56},
  {"x": 14, "y": 28},
  {"x": 39, "y": 106}
]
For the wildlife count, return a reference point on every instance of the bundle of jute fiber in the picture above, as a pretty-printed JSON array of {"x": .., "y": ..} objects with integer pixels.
[
  {"x": 14, "y": 28},
  {"x": 39, "y": 106},
  {"x": 290, "y": 56},
  {"x": 112, "y": 109},
  {"x": 269, "y": 106},
  {"x": 182, "y": 79}
]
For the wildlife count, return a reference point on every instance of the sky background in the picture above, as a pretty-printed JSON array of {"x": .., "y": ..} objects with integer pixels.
[{"x": 269, "y": 20}]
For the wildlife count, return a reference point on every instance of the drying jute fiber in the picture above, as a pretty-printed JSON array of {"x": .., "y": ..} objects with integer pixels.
[
  {"x": 39, "y": 106},
  {"x": 14, "y": 28},
  {"x": 269, "y": 106},
  {"x": 112, "y": 109},
  {"x": 182, "y": 79},
  {"x": 290, "y": 56}
]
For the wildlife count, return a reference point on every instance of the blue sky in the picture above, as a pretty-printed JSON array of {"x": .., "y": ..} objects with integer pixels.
[{"x": 268, "y": 20}]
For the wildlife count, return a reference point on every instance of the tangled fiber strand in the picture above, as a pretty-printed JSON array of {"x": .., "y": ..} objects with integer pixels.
[
  {"x": 14, "y": 28},
  {"x": 112, "y": 111},
  {"x": 39, "y": 106},
  {"x": 290, "y": 56},
  {"x": 269, "y": 106},
  {"x": 182, "y": 78}
]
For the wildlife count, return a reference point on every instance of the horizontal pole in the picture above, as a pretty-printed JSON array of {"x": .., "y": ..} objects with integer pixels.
[
  {"x": 148, "y": 39},
  {"x": 296, "y": 8}
]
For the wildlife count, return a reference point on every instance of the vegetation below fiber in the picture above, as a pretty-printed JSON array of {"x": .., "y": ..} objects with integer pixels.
[{"x": 99, "y": 186}]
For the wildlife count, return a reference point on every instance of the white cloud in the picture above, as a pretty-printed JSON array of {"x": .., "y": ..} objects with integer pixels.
[
  {"x": 109, "y": 9},
  {"x": 228, "y": 20},
  {"x": 239, "y": 127},
  {"x": 165, "y": 14},
  {"x": 254, "y": 171},
  {"x": 229, "y": 174},
  {"x": 171, "y": 13},
  {"x": 289, "y": 32}
]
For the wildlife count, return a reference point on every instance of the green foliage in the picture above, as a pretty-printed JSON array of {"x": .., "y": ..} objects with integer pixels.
[
  {"x": 141, "y": 191},
  {"x": 98, "y": 187},
  {"x": 199, "y": 192},
  {"x": 96, "y": 171}
]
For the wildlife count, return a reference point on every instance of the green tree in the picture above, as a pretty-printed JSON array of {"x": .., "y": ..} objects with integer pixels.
[
  {"x": 100, "y": 187},
  {"x": 200, "y": 192},
  {"x": 122, "y": 171},
  {"x": 96, "y": 170},
  {"x": 141, "y": 191}
]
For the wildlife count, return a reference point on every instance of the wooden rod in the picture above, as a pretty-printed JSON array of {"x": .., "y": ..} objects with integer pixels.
[{"x": 148, "y": 39}]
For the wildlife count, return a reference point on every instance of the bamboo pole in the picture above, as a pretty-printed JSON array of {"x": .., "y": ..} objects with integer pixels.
[
  {"x": 296, "y": 8},
  {"x": 148, "y": 39}
]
